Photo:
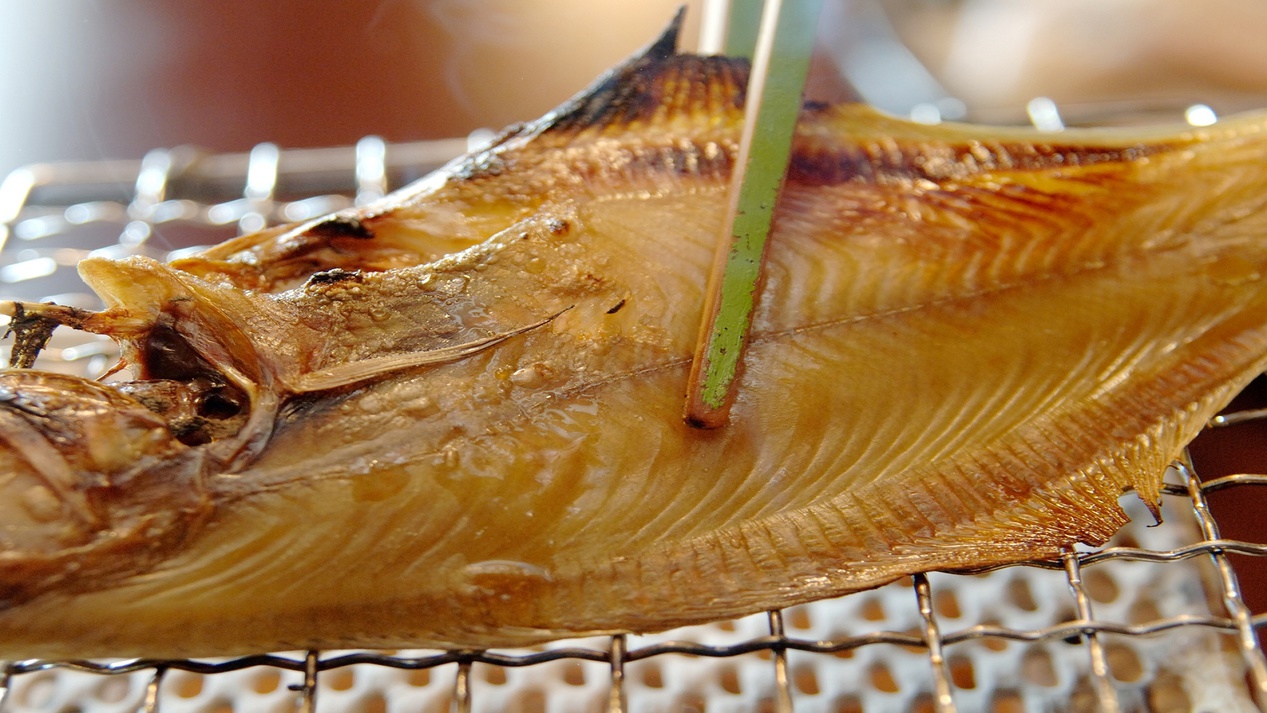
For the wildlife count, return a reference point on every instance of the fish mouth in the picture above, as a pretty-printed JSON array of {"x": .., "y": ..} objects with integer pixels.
[{"x": 83, "y": 470}]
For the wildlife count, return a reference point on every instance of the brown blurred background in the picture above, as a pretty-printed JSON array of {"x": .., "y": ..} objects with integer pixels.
[{"x": 90, "y": 79}]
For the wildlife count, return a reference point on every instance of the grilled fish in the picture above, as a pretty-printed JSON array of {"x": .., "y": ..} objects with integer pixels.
[{"x": 454, "y": 417}]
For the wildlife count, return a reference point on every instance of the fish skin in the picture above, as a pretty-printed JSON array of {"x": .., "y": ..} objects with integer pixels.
[{"x": 969, "y": 343}]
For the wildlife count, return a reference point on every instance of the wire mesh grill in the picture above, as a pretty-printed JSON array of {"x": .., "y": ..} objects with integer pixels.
[{"x": 1155, "y": 621}]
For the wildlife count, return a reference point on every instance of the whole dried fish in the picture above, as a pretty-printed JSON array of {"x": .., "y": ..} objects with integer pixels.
[{"x": 454, "y": 417}]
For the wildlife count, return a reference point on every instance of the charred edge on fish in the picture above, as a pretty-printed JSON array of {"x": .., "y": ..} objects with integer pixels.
[
  {"x": 482, "y": 165},
  {"x": 31, "y": 333},
  {"x": 558, "y": 227},
  {"x": 341, "y": 226},
  {"x": 334, "y": 276}
]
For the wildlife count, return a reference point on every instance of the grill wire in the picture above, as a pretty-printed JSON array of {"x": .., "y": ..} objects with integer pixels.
[{"x": 1154, "y": 621}]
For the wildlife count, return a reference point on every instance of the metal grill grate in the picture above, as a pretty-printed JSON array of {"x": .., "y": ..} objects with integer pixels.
[{"x": 1155, "y": 621}]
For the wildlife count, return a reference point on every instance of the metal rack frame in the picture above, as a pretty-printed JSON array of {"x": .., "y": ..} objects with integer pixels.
[{"x": 182, "y": 185}]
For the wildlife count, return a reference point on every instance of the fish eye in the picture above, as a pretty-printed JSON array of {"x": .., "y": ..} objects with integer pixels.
[{"x": 218, "y": 405}]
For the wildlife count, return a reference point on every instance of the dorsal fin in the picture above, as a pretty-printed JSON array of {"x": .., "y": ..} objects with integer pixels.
[
  {"x": 657, "y": 83},
  {"x": 665, "y": 45}
]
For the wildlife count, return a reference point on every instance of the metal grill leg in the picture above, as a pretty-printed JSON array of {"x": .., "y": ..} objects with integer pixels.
[
  {"x": 462, "y": 688},
  {"x": 943, "y": 701},
  {"x": 1101, "y": 684},
  {"x": 616, "y": 696},
  {"x": 150, "y": 704},
  {"x": 783, "y": 690}
]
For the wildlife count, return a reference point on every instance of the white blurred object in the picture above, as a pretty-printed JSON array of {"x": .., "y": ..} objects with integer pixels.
[{"x": 998, "y": 54}]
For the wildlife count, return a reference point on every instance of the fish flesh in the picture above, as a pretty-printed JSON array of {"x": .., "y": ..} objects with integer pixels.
[{"x": 453, "y": 418}]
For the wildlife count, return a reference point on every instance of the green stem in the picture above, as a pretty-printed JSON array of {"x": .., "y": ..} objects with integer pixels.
[{"x": 780, "y": 64}]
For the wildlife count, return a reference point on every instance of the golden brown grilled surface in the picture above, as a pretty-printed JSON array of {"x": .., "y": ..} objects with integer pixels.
[{"x": 453, "y": 418}]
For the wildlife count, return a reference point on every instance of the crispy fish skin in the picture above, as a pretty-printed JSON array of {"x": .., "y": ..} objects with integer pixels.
[{"x": 454, "y": 418}]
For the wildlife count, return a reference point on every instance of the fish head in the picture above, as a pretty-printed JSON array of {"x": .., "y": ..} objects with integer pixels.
[
  {"x": 86, "y": 470},
  {"x": 99, "y": 480}
]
